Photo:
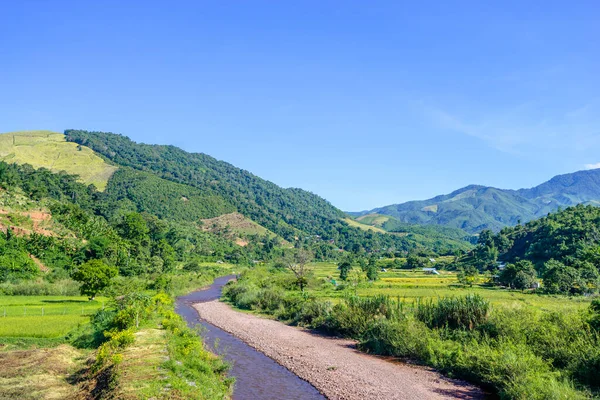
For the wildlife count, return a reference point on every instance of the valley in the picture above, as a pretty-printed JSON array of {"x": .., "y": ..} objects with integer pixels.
[{"x": 97, "y": 266}]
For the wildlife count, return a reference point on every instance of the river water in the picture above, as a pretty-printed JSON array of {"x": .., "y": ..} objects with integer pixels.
[{"x": 257, "y": 377}]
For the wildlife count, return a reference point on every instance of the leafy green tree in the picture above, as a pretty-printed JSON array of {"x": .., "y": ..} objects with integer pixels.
[
  {"x": 520, "y": 275},
  {"x": 344, "y": 268},
  {"x": 371, "y": 272},
  {"x": 93, "y": 276},
  {"x": 467, "y": 275},
  {"x": 134, "y": 227},
  {"x": 16, "y": 265},
  {"x": 97, "y": 247},
  {"x": 414, "y": 261},
  {"x": 560, "y": 278},
  {"x": 590, "y": 276}
]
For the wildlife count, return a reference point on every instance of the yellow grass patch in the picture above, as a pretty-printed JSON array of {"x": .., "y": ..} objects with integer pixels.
[
  {"x": 364, "y": 227},
  {"x": 39, "y": 373},
  {"x": 50, "y": 150}
]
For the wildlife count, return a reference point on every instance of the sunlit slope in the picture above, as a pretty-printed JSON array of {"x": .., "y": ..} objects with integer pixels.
[
  {"x": 50, "y": 150},
  {"x": 362, "y": 226}
]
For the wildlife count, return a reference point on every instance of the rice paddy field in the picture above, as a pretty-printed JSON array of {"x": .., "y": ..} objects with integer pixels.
[
  {"x": 411, "y": 285},
  {"x": 44, "y": 316}
]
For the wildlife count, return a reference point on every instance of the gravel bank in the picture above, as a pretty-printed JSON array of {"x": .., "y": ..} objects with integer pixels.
[{"x": 334, "y": 366}]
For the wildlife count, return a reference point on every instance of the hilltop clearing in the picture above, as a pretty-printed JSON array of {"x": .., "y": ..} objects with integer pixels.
[{"x": 50, "y": 150}]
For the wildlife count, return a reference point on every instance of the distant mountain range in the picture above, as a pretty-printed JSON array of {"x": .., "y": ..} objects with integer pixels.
[{"x": 474, "y": 208}]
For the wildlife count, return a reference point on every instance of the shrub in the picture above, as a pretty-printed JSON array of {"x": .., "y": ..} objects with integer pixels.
[
  {"x": 466, "y": 312},
  {"x": 313, "y": 313},
  {"x": 65, "y": 287},
  {"x": 400, "y": 338},
  {"x": 354, "y": 316},
  {"x": 269, "y": 299}
]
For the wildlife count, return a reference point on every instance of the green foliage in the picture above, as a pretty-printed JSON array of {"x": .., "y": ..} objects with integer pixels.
[
  {"x": 93, "y": 276},
  {"x": 415, "y": 261},
  {"x": 468, "y": 312},
  {"x": 163, "y": 198},
  {"x": 133, "y": 227},
  {"x": 520, "y": 275},
  {"x": 564, "y": 247},
  {"x": 16, "y": 265},
  {"x": 371, "y": 271},
  {"x": 294, "y": 214},
  {"x": 559, "y": 278},
  {"x": 467, "y": 275},
  {"x": 516, "y": 353},
  {"x": 344, "y": 267}
]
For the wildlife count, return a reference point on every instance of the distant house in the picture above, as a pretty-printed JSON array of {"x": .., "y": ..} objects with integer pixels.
[
  {"x": 501, "y": 266},
  {"x": 431, "y": 271},
  {"x": 432, "y": 260},
  {"x": 535, "y": 285}
]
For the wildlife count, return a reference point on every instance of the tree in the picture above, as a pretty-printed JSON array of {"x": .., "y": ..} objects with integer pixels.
[
  {"x": 356, "y": 277},
  {"x": 297, "y": 262},
  {"x": 467, "y": 275},
  {"x": 371, "y": 270},
  {"x": 520, "y": 275},
  {"x": 344, "y": 268},
  {"x": 15, "y": 265},
  {"x": 94, "y": 276},
  {"x": 589, "y": 274},
  {"x": 134, "y": 227},
  {"x": 413, "y": 261},
  {"x": 559, "y": 278}
]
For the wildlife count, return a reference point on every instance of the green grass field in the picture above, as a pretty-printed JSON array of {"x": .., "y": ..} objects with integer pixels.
[
  {"x": 51, "y": 150},
  {"x": 43, "y": 316},
  {"x": 411, "y": 285}
]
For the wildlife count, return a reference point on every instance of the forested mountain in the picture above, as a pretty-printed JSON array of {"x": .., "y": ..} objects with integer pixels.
[
  {"x": 475, "y": 208},
  {"x": 167, "y": 180},
  {"x": 563, "y": 248},
  {"x": 393, "y": 225}
]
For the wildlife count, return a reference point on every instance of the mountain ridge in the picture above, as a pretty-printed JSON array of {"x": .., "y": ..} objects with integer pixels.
[{"x": 477, "y": 207}]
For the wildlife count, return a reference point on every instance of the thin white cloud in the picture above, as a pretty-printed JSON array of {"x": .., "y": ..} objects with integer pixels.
[
  {"x": 592, "y": 166},
  {"x": 517, "y": 130}
]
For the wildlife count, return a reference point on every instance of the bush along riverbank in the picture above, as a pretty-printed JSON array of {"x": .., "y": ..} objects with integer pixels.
[
  {"x": 145, "y": 350},
  {"x": 515, "y": 353}
]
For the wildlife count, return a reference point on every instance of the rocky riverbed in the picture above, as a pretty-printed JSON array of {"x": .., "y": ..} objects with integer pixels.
[{"x": 334, "y": 366}]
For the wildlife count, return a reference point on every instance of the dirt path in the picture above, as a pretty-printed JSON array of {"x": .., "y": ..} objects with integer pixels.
[{"x": 334, "y": 366}]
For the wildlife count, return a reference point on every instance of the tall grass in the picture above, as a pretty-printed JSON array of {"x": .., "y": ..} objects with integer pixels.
[
  {"x": 467, "y": 312},
  {"x": 65, "y": 287},
  {"x": 518, "y": 353}
]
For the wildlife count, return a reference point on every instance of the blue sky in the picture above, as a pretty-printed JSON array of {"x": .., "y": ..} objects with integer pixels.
[{"x": 363, "y": 103}]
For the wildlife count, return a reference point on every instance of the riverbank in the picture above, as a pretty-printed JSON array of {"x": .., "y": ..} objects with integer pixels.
[{"x": 334, "y": 366}]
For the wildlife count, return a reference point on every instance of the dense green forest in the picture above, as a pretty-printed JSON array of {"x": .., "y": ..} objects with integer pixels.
[
  {"x": 217, "y": 187},
  {"x": 563, "y": 249}
]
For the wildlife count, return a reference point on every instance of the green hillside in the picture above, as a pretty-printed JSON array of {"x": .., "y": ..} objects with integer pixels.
[
  {"x": 293, "y": 214},
  {"x": 50, "y": 150},
  {"x": 426, "y": 234},
  {"x": 365, "y": 227},
  {"x": 475, "y": 208},
  {"x": 133, "y": 190}
]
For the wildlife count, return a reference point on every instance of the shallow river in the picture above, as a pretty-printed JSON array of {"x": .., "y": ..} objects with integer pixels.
[{"x": 257, "y": 377}]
